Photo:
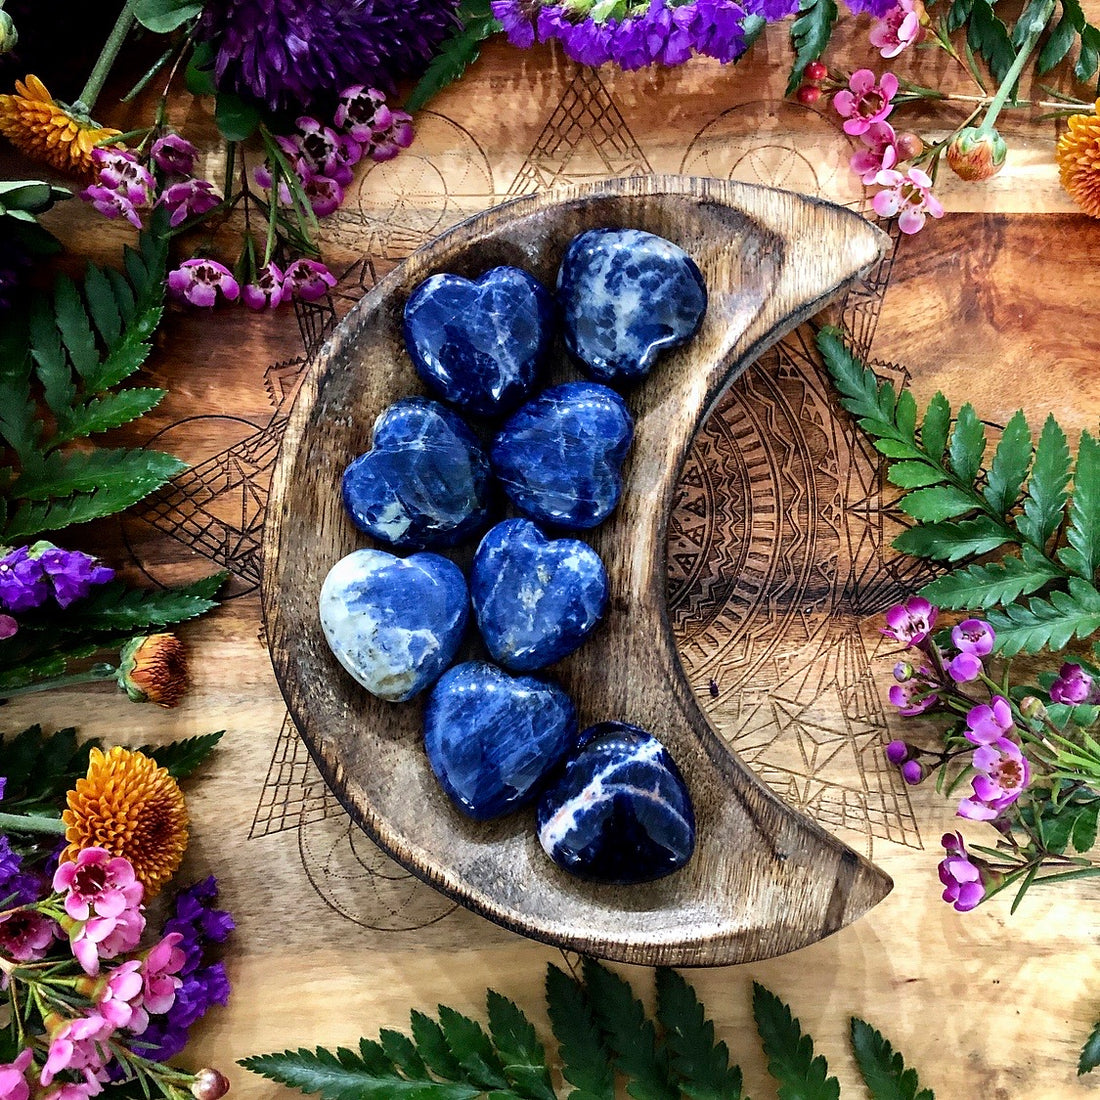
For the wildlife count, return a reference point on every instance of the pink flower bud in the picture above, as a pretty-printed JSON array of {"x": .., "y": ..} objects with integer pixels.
[
  {"x": 976, "y": 155},
  {"x": 209, "y": 1084}
]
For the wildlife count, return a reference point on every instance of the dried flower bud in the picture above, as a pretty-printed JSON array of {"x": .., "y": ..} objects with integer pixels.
[
  {"x": 9, "y": 36},
  {"x": 1032, "y": 707},
  {"x": 154, "y": 670},
  {"x": 913, "y": 771},
  {"x": 908, "y": 145},
  {"x": 975, "y": 154},
  {"x": 209, "y": 1084},
  {"x": 897, "y": 752}
]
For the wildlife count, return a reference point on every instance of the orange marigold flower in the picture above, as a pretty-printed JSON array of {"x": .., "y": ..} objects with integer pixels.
[
  {"x": 1078, "y": 156},
  {"x": 48, "y": 131},
  {"x": 134, "y": 809},
  {"x": 154, "y": 670}
]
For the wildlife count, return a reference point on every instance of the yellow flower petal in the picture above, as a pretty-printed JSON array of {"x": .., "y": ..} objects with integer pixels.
[{"x": 1078, "y": 156}]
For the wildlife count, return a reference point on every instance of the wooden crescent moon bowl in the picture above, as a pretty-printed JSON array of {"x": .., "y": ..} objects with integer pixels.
[{"x": 764, "y": 880}]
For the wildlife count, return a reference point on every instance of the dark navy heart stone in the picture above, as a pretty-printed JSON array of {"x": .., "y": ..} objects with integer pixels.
[
  {"x": 620, "y": 813},
  {"x": 491, "y": 738},
  {"x": 625, "y": 296},
  {"x": 559, "y": 456},
  {"x": 536, "y": 599},
  {"x": 479, "y": 344},
  {"x": 394, "y": 624},
  {"x": 424, "y": 482}
]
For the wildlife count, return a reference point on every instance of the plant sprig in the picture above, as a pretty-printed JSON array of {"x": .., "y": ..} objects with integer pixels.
[
  {"x": 603, "y": 1033},
  {"x": 1044, "y": 594}
]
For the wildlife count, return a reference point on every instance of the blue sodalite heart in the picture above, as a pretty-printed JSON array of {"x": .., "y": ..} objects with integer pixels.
[
  {"x": 424, "y": 482},
  {"x": 479, "y": 344},
  {"x": 491, "y": 737},
  {"x": 620, "y": 812},
  {"x": 625, "y": 296},
  {"x": 558, "y": 457},
  {"x": 536, "y": 599},
  {"x": 394, "y": 623}
]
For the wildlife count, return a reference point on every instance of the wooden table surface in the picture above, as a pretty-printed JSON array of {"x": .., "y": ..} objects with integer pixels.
[{"x": 995, "y": 303}]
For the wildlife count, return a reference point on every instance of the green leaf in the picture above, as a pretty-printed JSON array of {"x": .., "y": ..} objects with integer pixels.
[
  {"x": 1089, "y": 57},
  {"x": 989, "y": 37},
  {"x": 883, "y": 1068},
  {"x": 938, "y": 503},
  {"x": 62, "y": 474},
  {"x": 1045, "y": 501},
  {"x": 810, "y": 34},
  {"x": 1057, "y": 45},
  {"x": 472, "y": 1049},
  {"x": 1083, "y": 836},
  {"x": 400, "y": 1050},
  {"x": 74, "y": 326},
  {"x": 199, "y": 75},
  {"x": 1010, "y": 465},
  {"x": 102, "y": 305},
  {"x": 958, "y": 14},
  {"x": 914, "y": 475},
  {"x": 790, "y": 1054},
  {"x": 701, "y": 1064},
  {"x": 992, "y": 584},
  {"x": 432, "y": 1045},
  {"x": 162, "y": 16},
  {"x": 1082, "y": 556},
  {"x": 456, "y": 53},
  {"x": 630, "y": 1033},
  {"x": 102, "y": 414},
  {"x": 52, "y": 366},
  {"x": 236, "y": 119},
  {"x": 19, "y": 426},
  {"x": 967, "y": 445},
  {"x": 114, "y": 607},
  {"x": 1090, "y": 1053},
  {"x": 950, "y": 541},
  {"x": 585, "y": 1063},
  {"x": 181, "y": 758},
  {"x": 40, "y": 767},
  {"x": 1047, "y": 623},
  {"x": 343, "y": 1076},
  {"x": 519, "y": 1048}
]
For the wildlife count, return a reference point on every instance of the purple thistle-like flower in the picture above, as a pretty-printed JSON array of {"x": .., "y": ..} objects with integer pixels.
[
  {"x": 174, "y": 154},
  {"x": 198, "y": 282},
  {"x": 188, "y": 199},
  {"x": 300, "y": 52},
  {"x": 23, "y": 583}
]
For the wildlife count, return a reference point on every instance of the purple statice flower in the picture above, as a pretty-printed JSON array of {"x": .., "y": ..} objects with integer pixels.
[
  {"x": 17, "y": 887},
  {"x": 362, "y": 112},
  {"x": 72, "y": 574},
  {"x": 308, "y": 280},
  {"x": 23, "y": 583},
  {"x": 198, "y": 282},
  {"x": 188, "y": 199},
  {"x": 719, "y": 29},
  {"x": 1003, "y": 773},
  {"x": 876, "y": 8},
  {"x": 1073, "y": 686},
  {"x": 174, "y": 154},
  {"x": 203, "y": 981},
  {"x": 988, "y": 722},
  {"x": 266, "y": 289},
  {"x": 516, "y": 18},
  {"x": 300, "y": 52},
  {"x": 911, "y": 622},
  {"x": 111, "y": 204},
  {"x": 960, "y": 874}
]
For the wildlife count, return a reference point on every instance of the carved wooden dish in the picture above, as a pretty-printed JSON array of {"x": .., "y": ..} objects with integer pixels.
[{"x": 764, "y": 880}]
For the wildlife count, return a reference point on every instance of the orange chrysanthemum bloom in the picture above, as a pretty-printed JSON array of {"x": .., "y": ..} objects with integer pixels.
[
  {"x": 1078, "y": 156},
  {"x": 38, "y": 126},
  {"x": 134, "y": 809}
]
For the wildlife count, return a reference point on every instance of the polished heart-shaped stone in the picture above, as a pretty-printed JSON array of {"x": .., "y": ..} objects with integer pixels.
[
  {"x": 625, "y": 296},
  {"x": 559, "y": 457},
  {"x": 479, "y": 344},
  {"x": 424, "y": 482},
  {"x": 620, "y": 812},
  {"x": 491, "y": 738},
  {"x": 394, "y": 624},
  {"x": 536, "y": 599}
]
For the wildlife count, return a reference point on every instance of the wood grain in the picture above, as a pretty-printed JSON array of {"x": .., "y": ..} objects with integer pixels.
[{"x": 763, "y": 879}]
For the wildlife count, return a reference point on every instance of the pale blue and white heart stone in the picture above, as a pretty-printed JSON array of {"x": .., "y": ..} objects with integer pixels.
[
  {"x": 626, "y": 296},
  {"x": 620, "y": 812},
  {"x": 395, "y": 624},
  {"x": 536, "y": 599},
  {"x": 492, "y": 738}
]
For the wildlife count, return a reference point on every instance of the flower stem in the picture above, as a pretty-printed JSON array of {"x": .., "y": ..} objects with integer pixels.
[
  {"x": 93, "y": 675},
  {"x": 32, "y": 823},
  {"x": 98, "y": 76},
  {"x": 1038, "y": 25}
]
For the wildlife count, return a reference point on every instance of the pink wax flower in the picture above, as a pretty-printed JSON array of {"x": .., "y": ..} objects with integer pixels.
[
  {"x": 174, "y": 155},
  {"x": 188, "y": 199},
  {"x": 308, "y": 280},
  {"x": 914, "y": 696},
  {"x": 988, "y": 722},
  {"x": 973, "y": 636},
  {"x": 1073, "y": 686},
  {"x": 71, "y": 1090},
  {"x": 964, "y": 667},
  {"x": 898, "y": 28},
  {"x": 111, "y": 204},
  {"x": 118, "y": 995},
  {"x": 881, "y": 152},
  {"x": 324, "y": 194},
  {"x": 97, "y": 883},
  {"x": 911, "y": 622},
  {"x": 325, "y": 152},
  {"x": 119, "y": 170},
  {"x": 198, "y": 282},
  {"x": 13, "y": 1079},
  {"x": 78, "y": 1045},
  {"x": 909, "y": 195},
  {"x": 106, "y": 938},
  {"x": 266, "y": 289},
  {"x": 864, "y": 102},
  {"x": 1003, "y": 774},
  {"x": 961, "y": 877},
  {"x": 25, "y": 935},
  {"x": 160, "y": 972},
  {"x": 362, "y": 112},
  {"x": 8, "y": 627}
]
